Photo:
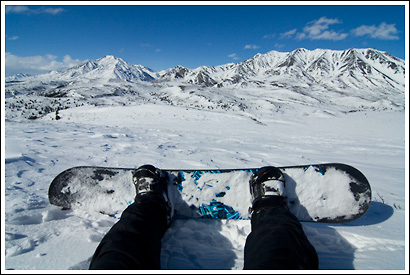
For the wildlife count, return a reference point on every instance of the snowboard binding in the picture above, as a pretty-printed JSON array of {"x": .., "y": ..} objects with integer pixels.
[
  {"x": 267, "y": 187},
  {"x": 149, "y": 179}
]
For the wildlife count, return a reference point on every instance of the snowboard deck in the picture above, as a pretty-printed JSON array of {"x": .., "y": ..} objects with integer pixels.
[{"x": 328, "y": 193}]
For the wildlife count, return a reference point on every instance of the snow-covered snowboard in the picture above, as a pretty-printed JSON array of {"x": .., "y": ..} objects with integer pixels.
[{"x": 331, "y": 192}]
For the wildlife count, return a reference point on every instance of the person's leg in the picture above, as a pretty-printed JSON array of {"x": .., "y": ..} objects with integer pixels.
[
  {"x": 277, "y": 241},
  {"x": 134, "y": 242}
]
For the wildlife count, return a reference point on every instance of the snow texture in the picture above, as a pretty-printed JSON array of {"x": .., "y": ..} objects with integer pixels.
[{"x": 173, "y": 124}]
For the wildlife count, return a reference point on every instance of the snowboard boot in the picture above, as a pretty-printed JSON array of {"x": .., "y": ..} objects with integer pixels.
[
  {"x": 149, "y": 179},
  {"x": 267, "y": 187}
]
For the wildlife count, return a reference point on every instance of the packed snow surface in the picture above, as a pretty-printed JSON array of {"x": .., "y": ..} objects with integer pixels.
[{"x": 40, "y": 236}]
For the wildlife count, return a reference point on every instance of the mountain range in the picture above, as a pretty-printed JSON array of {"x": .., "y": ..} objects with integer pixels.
[
  {"x": 349, "y": 77},
  {"x": 339, "y": 69}
]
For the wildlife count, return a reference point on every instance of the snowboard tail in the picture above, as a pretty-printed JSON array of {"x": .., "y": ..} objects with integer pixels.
[{"x": 330, "y": 193}]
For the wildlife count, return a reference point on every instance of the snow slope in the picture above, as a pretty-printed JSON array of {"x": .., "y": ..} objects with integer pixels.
[
  {"x": 301, "y": 107},
  {"x": 328, "y": 80},
  {"x": 39, "y": 236}
]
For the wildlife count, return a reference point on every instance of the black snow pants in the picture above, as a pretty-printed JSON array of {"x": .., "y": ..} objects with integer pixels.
[
  {"x": 134, "y": 242},
  {"x": 277, "y": 240}
]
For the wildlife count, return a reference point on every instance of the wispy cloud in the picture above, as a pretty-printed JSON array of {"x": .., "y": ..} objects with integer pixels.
[
  {"x": 233, "y": 56},
  {"x": 317, "y": 30},
  {"x": 150, "y": 46},
  {"x": 278, "y": 45},
  {"x": 383, "y": 31},
  {"x": 320, "y": 29},
  {"x": 28, "y": 10},
  {"x": 15, "y": 37},
  {"x": 51, "y": 10},
  {"x": 17, "y": 9},
  {"x": 269, "y": 36},
  {"x": 251, "y": 47},
  {"x": 288, "y": 34},
  {"x": 37, "y": 64}
]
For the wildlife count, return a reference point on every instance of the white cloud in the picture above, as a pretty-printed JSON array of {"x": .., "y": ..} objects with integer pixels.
[
  {"x": 149, "y": 46},
  {"x": 233, "y": 56},
  {"x": 13, "y": 37},
  {"x": 288, "y": 34},
  {"x": 316, "y": 30},
  {"x": 251, "y": 47},
  {"x": 383, "y": 31},
  {"x": 278, "y": 45},
  {"x": 51, "y": 10},
  {"x": 269, "y": 36},
  {"x": 37, "y": 64},
  {"x": 16, "y": 9},
  {"x": 316, "y": 27},
  {"x": 319, "y": 30},
  {"x": 27, "y": 10}
]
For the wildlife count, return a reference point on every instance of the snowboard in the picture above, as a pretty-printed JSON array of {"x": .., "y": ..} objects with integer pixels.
[{"x": 324, "y": 193}]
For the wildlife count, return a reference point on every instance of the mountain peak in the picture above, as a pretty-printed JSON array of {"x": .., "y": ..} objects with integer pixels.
[
  {"x": 103, "y": 69},
  {"x": 350, "y": 68},
  {"x": 354, "y": 78},
  {"x": 108, "y": 57}
]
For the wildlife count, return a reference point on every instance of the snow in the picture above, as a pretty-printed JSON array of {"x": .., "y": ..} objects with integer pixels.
[
  {"x": 320, "y": 196},
  {"x": 104, "y": 204},
  {"x": 40, "y": 236},
  {"x": 302, "y": 107}
]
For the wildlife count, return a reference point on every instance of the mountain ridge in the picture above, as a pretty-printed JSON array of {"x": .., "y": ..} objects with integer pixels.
[
  {"x": 301, "y": 62},
  {"x": 352, "y": 79},
  {"x": 312, "y": 65}
]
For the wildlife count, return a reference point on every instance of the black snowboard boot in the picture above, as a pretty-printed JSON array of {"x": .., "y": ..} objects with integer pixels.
[
  {"x": 267, "y": 187},
  {"x": 147, "y": 180}
]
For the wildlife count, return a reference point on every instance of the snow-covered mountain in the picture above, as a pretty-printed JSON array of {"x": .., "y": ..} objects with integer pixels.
[
  {"x": 348, "y": 80},
  {"x": 111, "y": 68},
  {"x": 108, "y": 68},
  {"x": 103, "y": 75},
  {"x": 16, "y": 77},
  {"x": 354, "y": 68},
  {"x": 280, "y": 109}
]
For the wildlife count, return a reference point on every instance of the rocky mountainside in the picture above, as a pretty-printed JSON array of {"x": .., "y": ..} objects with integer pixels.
[
  {"x": 107, "y": 67},
  {"x": 88, "y": 79},
  {"x": 349, "y": 80},
  {"x": 353, "y": 68},
  {"x": 111, "y": 68}
]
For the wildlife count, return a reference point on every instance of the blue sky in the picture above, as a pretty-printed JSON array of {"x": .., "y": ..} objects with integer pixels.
[{"x": 54, "y": 37}]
